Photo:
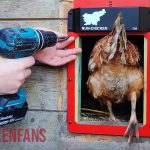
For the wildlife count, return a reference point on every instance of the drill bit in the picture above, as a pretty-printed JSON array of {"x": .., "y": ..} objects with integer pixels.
[{"x": 62, "y": 38}]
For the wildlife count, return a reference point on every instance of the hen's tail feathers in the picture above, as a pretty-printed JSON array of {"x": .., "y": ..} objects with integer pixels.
[
  {"x": 116, "y": 41},
  {"x": 119, "y": 38}
]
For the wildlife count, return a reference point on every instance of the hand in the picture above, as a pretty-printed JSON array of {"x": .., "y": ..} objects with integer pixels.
[
  {"x": 56, "y": 55},
  {"x": 13, "y": 73}
]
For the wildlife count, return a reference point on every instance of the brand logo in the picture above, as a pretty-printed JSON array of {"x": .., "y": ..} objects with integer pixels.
[
  {"x": 22, "y": 135},
  {"x": 94, "y": 18}
]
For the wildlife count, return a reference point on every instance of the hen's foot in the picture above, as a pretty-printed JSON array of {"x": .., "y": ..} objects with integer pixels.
[
  {"x": 132, "y": 127},
  {"x": 113, "y": 118}
]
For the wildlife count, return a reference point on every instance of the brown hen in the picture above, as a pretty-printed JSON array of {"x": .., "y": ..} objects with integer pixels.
[{"x": 115, "y": 73}]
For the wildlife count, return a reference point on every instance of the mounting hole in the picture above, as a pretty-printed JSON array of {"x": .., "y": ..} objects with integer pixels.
[
  {"x": 69, "y": 122},
  {"x": 110, "y": 3}
]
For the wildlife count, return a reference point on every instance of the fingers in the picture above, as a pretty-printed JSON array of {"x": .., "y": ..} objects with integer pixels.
[
  {"x": 21, "y": 79},
  {"x": 26, "y": 62},
  {"x": 14, "y": 73},
  {"x": 27, "y": 73},
  {"x": 57, "y": 61},
  {"x": 61, "y": 45},
  {"x": 21, "y": 82},
  {"x": 65, "y": 53},
  {"x": 24, "y": 76}
]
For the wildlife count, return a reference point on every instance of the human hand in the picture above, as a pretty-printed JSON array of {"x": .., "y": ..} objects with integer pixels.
[
  {"x": 56, "y": 55},
  {"x": 13, "y": 73}
]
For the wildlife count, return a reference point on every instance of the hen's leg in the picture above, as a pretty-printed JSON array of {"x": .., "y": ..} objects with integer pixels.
[
  {"x": 133, "y": 123},
  {"x": 111, "y": 114}
]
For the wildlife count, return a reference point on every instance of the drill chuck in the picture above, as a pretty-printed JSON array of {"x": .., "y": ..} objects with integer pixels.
[{"x": 46, "y": 39}]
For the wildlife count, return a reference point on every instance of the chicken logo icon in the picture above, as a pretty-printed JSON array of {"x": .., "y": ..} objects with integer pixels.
[{"x": 94, "y": 18}]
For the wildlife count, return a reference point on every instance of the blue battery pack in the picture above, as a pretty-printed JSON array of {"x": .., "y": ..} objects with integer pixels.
[{"x": 12, "y": 101}]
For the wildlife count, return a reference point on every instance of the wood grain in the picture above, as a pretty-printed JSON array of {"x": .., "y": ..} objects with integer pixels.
[
  {"x": 64, "y": 7},
  {"x": 51, "y": 24},
  {"x": 46, "y": 88},
  {"x": 29, "y": 9}
]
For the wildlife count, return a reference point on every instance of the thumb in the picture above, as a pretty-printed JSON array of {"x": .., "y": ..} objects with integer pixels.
[
  {"x": 65, "y": 43},
  {"x": 25, "y": 62}
]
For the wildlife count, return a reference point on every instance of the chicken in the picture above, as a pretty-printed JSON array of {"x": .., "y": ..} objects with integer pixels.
[{"x": 115, "y": 73}]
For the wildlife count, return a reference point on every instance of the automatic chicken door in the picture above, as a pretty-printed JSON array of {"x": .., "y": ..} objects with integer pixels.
[{"x": 107, "y": 84}]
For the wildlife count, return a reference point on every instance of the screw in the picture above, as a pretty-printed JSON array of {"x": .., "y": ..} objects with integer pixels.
[
  {"x": 70, "y": 79},
  {"x": 69, "y": 122}
]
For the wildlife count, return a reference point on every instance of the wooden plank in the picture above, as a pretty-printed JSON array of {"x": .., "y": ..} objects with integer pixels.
[
  {"x": 71, "y": 1},
  {"x": 58, "y": 25},
  {"x": 51, "y": 24},
  {"x": 63, "y": 26},
  {"x": 29, "y": 9},
  {"x": 62, "y": 89},
  {"x": 46, "y": 88},
  {"x": 64, "y": 7}
]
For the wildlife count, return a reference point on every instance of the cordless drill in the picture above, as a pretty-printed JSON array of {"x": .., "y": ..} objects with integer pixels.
[{"x": 19, "y": 43}]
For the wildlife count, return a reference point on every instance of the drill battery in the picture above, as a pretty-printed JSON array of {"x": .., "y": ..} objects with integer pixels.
[{"x": 13, "y": 107}]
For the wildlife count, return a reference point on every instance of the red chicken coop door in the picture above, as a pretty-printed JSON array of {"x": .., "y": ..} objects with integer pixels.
[{"x": 107, "y": 84}]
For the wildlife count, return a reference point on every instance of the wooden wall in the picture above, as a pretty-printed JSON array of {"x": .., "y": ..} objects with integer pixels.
[{"x": 46, "y": 87}]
